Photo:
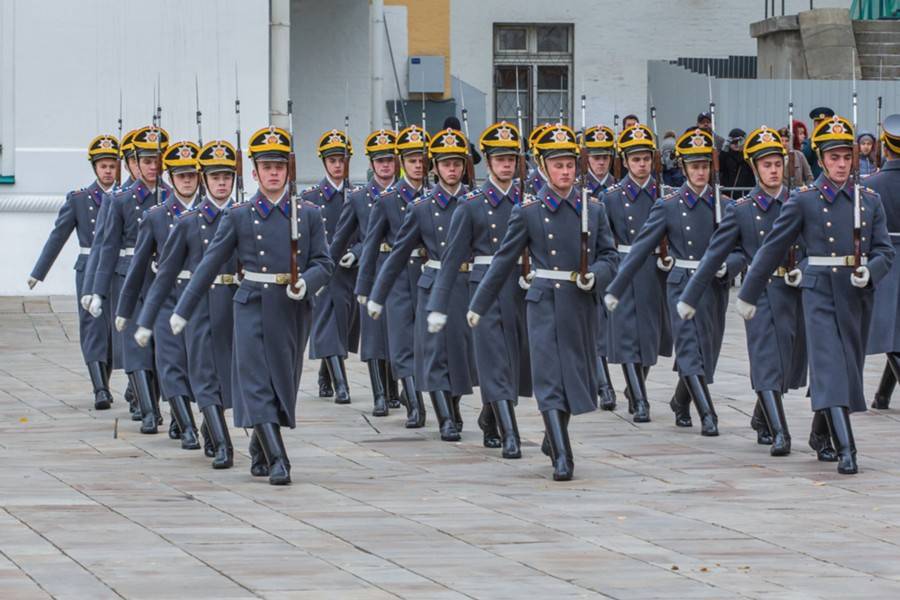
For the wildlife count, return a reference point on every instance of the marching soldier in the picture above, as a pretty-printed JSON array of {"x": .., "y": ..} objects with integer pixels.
[
  {"x": 272, "y": 318},
  {"x": 501, "y": 341},
  {"x": 180, "y": 160},
  {"x": 346, "y": 250},
  {"x": 638, "y": 332},
  {"x": 843, "y": 265},
  {"x": 884, "y": 336},
  {"x": 79, "y": 214},
  {"x": 686, "y": 219},
  {"x": 561, "y": 301},
  {"x": 775, "y": 341},
  {"x": 388, "y": 214},
  {"x": 120, "y": 231},
  {"x": 444, "y": 362},
  {"x": 208, "y": 335},
  {"x": 333, "y": 308}
]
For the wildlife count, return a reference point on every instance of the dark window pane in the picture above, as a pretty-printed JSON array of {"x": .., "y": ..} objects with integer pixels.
[
  {"x": 553, "y": 77},
  {"x": 553, "y": 38},
  {"x": 505, "y": 93},
  {"x": 511, "y": 38}
]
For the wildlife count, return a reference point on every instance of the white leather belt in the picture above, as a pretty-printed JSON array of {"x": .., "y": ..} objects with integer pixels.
[
  {"x": 626, "y": 248},
  {"x": 83, "y": 250},
  {"x": 184, "y": 275},
  {"x": 126, "y": 252},
  {"x": 223, "y": 279},
  {"x": 483, "y": 260},
  {"x": 835, "y": 261},
  {"x": 276, "y": 278},
  {"x": 433, "y": 264},
  {"x": 436, "y": 264},
  {"x": 687, "y": 264},
  {"x": 569, "y": 276},
  {"x": 418, "y": 253},
  {"x": 894, "y": 235}
]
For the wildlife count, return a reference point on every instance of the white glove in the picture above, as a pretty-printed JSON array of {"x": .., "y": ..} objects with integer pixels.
[
  {"x": 86, "y": 302},
  {"x": 177, "y": 323},
  {"x": 665, "y": 264},
  {"x": 524, "y": 283},
  {"x": 347, "y": 260},
  {"x": 436, "y": 321},
  {"x": 588, "y": 283},
  {"x": 473, "y": 318},
  {"x": 142, "y": 336},
  {"x": 362, "y": 299},
  {"x": 32, "y": 282},
  {"x": 860, "y": 277},
  {"x": 299, "y": 294},
  {"x": 722, "y": 272},
  {"x": 685, "y": 311},
  {"x": 121, "y": 322},
  {"x": 793, "y": 277},
  {"x": 374, "y": 309},
  {"x": 745, "y": 309},
  {"x": 96, "y": 307},
  {"x": 611, "y": 302}
]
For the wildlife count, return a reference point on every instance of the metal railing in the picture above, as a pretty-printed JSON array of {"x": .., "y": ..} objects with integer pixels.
[{"x": 771, "y": 13}]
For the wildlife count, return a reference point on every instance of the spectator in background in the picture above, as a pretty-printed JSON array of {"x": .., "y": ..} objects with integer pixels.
[
  {"x": 672, "y": 175},
  {"x": 734, "y": 172},
  {"x": 866, "y": 143},
  {"x": 704, "y": 121},
  {"x": 799, "y": 133},
  {"x": 802, "y": 174},
  {"x": 817, "y": 115},
  {"x": 628, "y": 121}
]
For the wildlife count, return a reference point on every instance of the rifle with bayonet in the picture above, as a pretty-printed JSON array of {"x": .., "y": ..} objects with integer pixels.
[
  {"x": 617, "y": 159},
  {"x": 526, "y": 260},
  {"x": 292, "y": 194},
  {"x": 470, "y": 164},
  {"x": 857, "y": 216},
  {"x": 583, "y": 267},
  {"x": 658, "y": 173},
  {"x": 717, "y": 188},
  {"x": 238, "y": 154},
  {"x": 199, "y": 116},
  {"x": 121, "y": 159}
]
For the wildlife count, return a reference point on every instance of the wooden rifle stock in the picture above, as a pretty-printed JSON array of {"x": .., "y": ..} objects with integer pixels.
[
  {"x": 292, "y": 186},
  {"x": 526, "y": 260},
  {"x": 857, "y": 230},
  {"x": 658, "y": 171}
]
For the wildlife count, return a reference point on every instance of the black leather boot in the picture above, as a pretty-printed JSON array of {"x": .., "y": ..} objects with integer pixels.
[
  {"x": 888, "y": 382},
  {"x": 100, "y": 382},
  {"x": 505, "y": 416},
  {"x": 773, "y": 410},
  {"x": 269, "y": 435},
  {"x": 415, "y": 404},
  {"x": 838, "y": 419},
  {"x": 699, "y": 392},
  {"x": 392, "y": 390},
  {"x": 214, "y": 422},
  {"x": 157, "y": 394},
  {"x": 325, "y": 389},
  {"x": 488, "y": 425},
  {"x": 143, "y": 390},
  {"x": 556, "y": 423},
  {"x": 637, "y": 393},
  {"x": 379, "y": 398},
  {"x": 445, "y": 419},
  {"x": 259, "y": 466},
  {"x": 336, "y": 370},
  {"x": 759, "y": 424},
  {"x": 457, "y": 415},
  {"x": 131, "y": 399},
  {"x": 604, "y": 388},
  {"x": 184, "y": 416},
  {"x": 681, "y": 405},
  {"x": 209, "y": 447},
  {"x": 820, "y": 438}
]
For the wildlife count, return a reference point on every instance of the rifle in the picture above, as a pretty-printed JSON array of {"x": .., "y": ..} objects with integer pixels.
[
  {"x": 857, "y": 216},
  {"x": 470, "y": 164},
  {"x": 119, "y": 168},
  {"x": 199, "y": 126},
  {"x": 658, "y": 171},
  {"x": 397, "y": 165},
  {"x": 292, "y": 187},
  {"x": 526, "y": 260},
  {"x": 424, "y": 143},
  {"x": 717, "y": 188},
  {"x": 584, "y": 194},
  {"x": 159, "y": 160},
  {"x": 878, "y": 158},
  {"x": 617, "y": 159},
  {"x": 239, "y": 158},
  {"x": 792, "y": 256}
]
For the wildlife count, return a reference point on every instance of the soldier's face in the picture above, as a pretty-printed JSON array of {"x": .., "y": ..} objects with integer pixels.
[
  {"x": 561, "y": 172},
  {"x": 770, "y": 170},
  {"x": 149, "y": 169},
  {"x": 629, "y": 123},
  {"x": 503, "y": 167},
  {"x": 186, "y": 183},
  {"x": 414, "y": 166},
  {"x": 450, "y": 170},
  {"x": 384, "y": 167},
  {"x": 697, "y": 173},
  {"x": 639, "y": 164},
  {"x": 219, "y": 184},
  {"x": 271, "y": 175},
  {"x": 334, "y": 166},
  {"x": 599, "y": 164},
  {"x": 106, "y": 168},
  {"x": 837, "y": 164}
]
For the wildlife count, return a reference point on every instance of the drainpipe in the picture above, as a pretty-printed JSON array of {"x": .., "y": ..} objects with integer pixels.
[
  {"x": 279, "y": 61},
  {"x": 376, "y": 66}
]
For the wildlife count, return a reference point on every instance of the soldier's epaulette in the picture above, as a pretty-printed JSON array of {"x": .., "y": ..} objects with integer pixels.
[
  {"x": 356, "y": 188},
  {"x": 471, "y": 195},
  {"x": 803, "y": 188},
  {"x": 529, "y": 199},
  {"x": 421, "y": 200},
  {"x": 743, "y": 200},
  {"x": 310, "y": 190},
  {"x": 670, "y": 196},
  {"x": 388, "y": 190},
  {"x": 616, "y": 187},
  {"x": 309, "y": 204}
]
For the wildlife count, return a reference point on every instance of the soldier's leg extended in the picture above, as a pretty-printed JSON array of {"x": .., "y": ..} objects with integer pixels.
[
  {"x": 445, "y": 416},
  {"x": 217, "y": 434},
  {"x": 505, "y": 417},
  {"x": 605, "y": 388},
  {"x": 820, "y": 438},
  {"x": 184, "y": 416},
  {"x": 391, "y": 387},
  {"x": 556, "y": 444},
  {"x": 888, "y": 381},
  {"x": 838, "y": 418},
  {"x": 487, "y": 422},
  {"x": 325, "y": 388},
  {"x": 457, "y": 415},
  {"x": 269, "y": 436},
  {"x": 774, "y": 422},
  {"x": 338, "y": 374},
  {"x": 100, "y": 381},
  {"x": 379, "y": 395},
  {"x": 697, "y": 388},
  {"x": 759, "y": 424},
  {"x": 142, "y": 382},
  {"x": 259, "y": 466},
  {"x": 637, "y": 392},
  {"x": 681, "y": 404},
  {"x": 415, "y": 404}
]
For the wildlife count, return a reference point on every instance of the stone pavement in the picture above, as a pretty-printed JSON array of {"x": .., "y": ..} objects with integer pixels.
[{"x": 90, "y": 508}]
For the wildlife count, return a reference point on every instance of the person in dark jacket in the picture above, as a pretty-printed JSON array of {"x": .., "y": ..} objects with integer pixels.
[{"x": 734, "y": 172}]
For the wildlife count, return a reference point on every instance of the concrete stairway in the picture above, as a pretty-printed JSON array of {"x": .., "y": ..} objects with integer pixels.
[{"x": 878, "y": 42}]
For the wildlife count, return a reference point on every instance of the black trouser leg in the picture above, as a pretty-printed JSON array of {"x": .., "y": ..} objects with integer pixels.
[
  {"x": 759, "y": 424},
  {"x": 446, "y": 422},
  {"x": 505, "y": 415},
  {"x": 488, "y": 425},
  {"x": 415, "y": 405},
  {"x": 637, "y": 392},
  {"x": 269, "y": 435},
  {"x": 392, "y": 390},
  {"x": 699, "y": 392},
  {"x": 259, "y": 466},
  {"x": 681, "y": 404},
  {"x": 556, "y": 423},
  {"x": 214, "y": 419},
  {"x": 820, "y": 438},
  {"x": 325, "y": 389},
  {"x": 184, "y": 416},
  {"x": 379, "y": 398},
  {"x": 100, "y": 382},
  {"x": 776, "y": 423},
  {"x": 339, "y": 378},
  {"x": 604, "y": 385},
  {"x": 842, "y": 434},
  {"x": 143, "y": 390}
]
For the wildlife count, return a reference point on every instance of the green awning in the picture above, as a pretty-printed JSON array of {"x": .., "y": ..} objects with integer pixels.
[{"x": 875, "y": 9}]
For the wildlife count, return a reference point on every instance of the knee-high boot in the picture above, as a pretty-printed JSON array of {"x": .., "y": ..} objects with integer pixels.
[
  {"x": 445, "y": 418},
  {"x": 487, "y": 422},
  {"x": 143, "y": 390},
  {"x": 214, "y": 419},
  {"x": 773, "y": 411},
  {"x": 505, "y": 415},
  {"x": 699, "y": 392},
  {"x": 132, "y": 401},
  {"x": 820, "y": 438},
  {"x": 637, "y": 392},
  {"x": 415, "y": 405},
  {"x": 604, "y": 385},
  {"x": 888, "y": 381},
  {"x": 100, "y": 382},
  {"x": 325, "y": 388},
  {"x": 339, "y": 378},
  {"x": 759, "y": 424},
  {"x": 184, "y": 416},
  {"x": 681, "y": 404},
  {"x": 379, "y": 398},
  {"x": 269, "y": 435},
  {"x": 259, "y": 465},
  {"x": 842, "y": 434},
  {"x": 556, "y": 423},
  {"x": 392, "y": 390}
]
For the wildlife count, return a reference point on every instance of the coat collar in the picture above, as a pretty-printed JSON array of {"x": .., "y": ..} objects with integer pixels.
[
  {"x": 891, "y": 165},
  {"x": 691, "y": 198},
  {"x": 142, "y": 192},
  {"x": 175, "y": 206},
  {"x": 443, "y": 197},
  {"x": 408, "y": 192},
  {"x": 553, "y": 201},
  {"x": 764, "y": 200},
  {"x": 374, "y": 190},
  {"x": 210, "y": 211},
  {"x": 264, "y": 207},
  {"x": 829, "y": 190},
  {"x": 328, "y": 189},
  {"x": 95, "y": 192},
  {"x": 633, "y": 189},
  {"x": 595, "y": 186},
  {"x": 496, "y": 196}
]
